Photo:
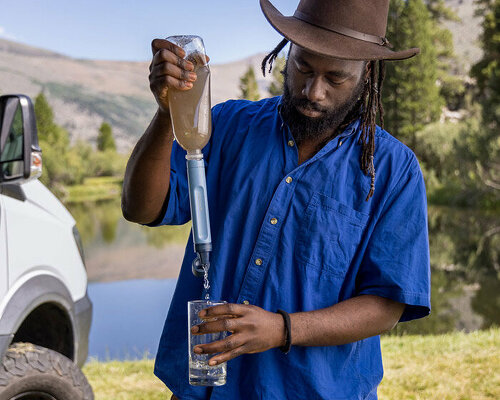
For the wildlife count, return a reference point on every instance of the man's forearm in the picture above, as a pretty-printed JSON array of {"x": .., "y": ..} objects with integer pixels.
[
  {"x": 146, "y": 180},
  {"x": 255, "y": 330},
  {"x": 346, "y": 322}
]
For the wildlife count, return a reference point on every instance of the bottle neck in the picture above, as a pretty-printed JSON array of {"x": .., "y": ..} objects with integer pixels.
[{"x": 194, "y": 155}]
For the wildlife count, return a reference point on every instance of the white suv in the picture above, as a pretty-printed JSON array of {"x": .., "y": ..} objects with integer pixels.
[{"x": 45, "y": 313}]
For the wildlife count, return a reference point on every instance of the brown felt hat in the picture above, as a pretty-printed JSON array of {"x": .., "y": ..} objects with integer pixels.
[{"x": 347, "y": 29}]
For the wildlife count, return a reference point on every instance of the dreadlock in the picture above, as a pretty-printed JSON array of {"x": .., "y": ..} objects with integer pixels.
[
  {"x": 272, "y": 56},
  {"x": 366, "y": 107},
  {"x": 372, "y": 98}
]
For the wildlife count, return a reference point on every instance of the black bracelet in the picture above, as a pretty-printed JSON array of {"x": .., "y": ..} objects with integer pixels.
[{"x": 288, "y": 330}]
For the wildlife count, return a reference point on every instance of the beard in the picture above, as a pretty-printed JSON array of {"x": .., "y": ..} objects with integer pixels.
[{"x": 306, "y": 128}]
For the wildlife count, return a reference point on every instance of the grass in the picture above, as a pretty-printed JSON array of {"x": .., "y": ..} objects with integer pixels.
[
  {"x": 126, "y": 380},
  {"x": 94, "y": 189},
  {"x": 454, "y": 366}
]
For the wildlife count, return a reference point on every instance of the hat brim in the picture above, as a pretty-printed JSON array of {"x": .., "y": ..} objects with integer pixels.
[{"x": 327, "y": 43}]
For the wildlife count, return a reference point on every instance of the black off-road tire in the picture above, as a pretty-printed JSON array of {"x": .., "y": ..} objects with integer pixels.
[{"x": 31, "y": 372}]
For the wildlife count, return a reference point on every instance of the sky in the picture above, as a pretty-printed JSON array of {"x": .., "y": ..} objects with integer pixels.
[{"x": 123, "y": 29}]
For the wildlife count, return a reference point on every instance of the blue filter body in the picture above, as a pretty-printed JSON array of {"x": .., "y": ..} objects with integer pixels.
[{"x": 198, "y": 201}]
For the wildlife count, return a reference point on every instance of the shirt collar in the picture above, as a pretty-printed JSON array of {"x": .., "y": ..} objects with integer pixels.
[{"x": 351, "y": 128}]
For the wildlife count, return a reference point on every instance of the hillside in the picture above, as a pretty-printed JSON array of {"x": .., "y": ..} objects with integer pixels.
[
  {"x": 465, "y": 33},
  {"x": 84, "y": 93}
]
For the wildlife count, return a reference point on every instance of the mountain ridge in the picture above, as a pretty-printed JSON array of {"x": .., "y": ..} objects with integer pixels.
[{"x": 84, "y": 93}]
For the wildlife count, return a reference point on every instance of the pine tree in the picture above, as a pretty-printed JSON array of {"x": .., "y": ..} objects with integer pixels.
[
  {"x": 54, "y": 142},
  {"x": 487, "y": 74},
  {"x": 105, "y": 140},
  {"x": 452, "y": 71},
  {"x": 410, "y": 94},
  {"x": 48, "y": 131},
  {"x": 276, "y": 86},
  {"x": 440, "y": 11},
  {"x": 44, "y": 118},
  {"x": 487, "y": 70},
  {"x": 442, "y": 36},
  {"x": 248, "y": 86}
]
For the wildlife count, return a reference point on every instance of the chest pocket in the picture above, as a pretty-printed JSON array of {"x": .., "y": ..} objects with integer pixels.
[{"x": 329, "y": 235}]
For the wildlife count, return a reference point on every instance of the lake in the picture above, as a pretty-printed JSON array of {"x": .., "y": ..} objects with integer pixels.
[
  {"x": 132, "y": 272},
  {"x": 128, "y": 317}
]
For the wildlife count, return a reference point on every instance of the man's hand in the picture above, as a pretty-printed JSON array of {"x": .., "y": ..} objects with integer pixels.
[
  {"x": 167, "y": 70},
  {"x": 256, "y": 330},
  {"x": 253, "y": 330}
]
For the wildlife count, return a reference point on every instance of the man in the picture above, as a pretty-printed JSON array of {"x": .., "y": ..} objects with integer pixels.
[{"x": 299, "y": 222}]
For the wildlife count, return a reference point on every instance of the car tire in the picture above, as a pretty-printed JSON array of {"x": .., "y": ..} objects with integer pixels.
[{"x": 30, "y": 372}]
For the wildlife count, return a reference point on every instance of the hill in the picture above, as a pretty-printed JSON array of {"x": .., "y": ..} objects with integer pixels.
[
  {"x": 84, "y": 93},
  {"x": 465, "y": 33}
]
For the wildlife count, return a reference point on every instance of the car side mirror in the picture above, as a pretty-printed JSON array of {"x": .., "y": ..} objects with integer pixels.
[{"x": 20, "y": 154}]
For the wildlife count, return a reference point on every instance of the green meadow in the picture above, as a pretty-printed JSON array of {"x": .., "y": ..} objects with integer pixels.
[{"x": 454, "y": 366}]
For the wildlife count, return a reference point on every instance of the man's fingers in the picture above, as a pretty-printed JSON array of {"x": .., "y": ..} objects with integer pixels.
[
  {"x": 227, "y": 355},
  {"x": 221, "y": 325},
  {"x": 163, "y": 50},
  {"x": 166, "y": 81},
  {"x": 158, "y": 44},
  {"x": 169, "y": 57},
  {"x": 172, "y": 70},
  {"x": 227, "y": 344},
  {"x": 224, "y": 309}
]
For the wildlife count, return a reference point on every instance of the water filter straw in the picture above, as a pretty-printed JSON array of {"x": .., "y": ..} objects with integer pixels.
[
  {"x": 198, "y": 201},
  {"x": 190, "y": 112}
]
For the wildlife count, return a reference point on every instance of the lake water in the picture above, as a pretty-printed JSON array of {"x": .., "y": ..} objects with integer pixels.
[
  {"x": 128, "y": 317},
  {"x": 130, "y": 306}
]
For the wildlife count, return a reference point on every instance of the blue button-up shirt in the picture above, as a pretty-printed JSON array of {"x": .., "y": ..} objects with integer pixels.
[{"x": 298, "y": 238}]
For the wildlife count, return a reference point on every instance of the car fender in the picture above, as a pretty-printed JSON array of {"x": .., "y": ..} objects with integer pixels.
[{"x": 26, "y": 297}]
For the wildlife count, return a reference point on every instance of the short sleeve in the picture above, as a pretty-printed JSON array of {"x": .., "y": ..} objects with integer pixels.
[
  {"x": 396, "y": 264},
  {"x": 176, "y": 209}
]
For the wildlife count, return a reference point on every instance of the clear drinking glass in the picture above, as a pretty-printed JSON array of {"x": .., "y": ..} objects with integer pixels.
[{"x": 200, "y": 373}]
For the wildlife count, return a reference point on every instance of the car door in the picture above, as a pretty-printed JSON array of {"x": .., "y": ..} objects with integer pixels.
[{"x": 3, "y": 250}]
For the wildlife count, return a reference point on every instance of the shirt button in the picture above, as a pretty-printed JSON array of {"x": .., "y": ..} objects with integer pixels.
[
  {"x": 258, "y": 261},
  {"x": 246, "y": 302},
  {"x": 288, "y": 179},
  {"x": 274, "y": 221},
  {"x": 291, "y": 143},
  {"x": 340, "y": 143}
]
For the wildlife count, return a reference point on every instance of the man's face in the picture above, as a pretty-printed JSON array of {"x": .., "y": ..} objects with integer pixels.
[{"x": 319, "y": 92}]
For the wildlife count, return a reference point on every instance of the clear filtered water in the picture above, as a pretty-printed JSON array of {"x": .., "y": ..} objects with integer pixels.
[
  {"x": 202, "y": 374},
  {"x": 206, "y": 283}
]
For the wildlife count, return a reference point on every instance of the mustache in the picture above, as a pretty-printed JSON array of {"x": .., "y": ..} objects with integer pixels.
[{"x": 308, "y": 105}]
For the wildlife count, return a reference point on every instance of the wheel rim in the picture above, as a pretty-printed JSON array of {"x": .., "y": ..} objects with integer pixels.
[{"x": 33, "y": 396}]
